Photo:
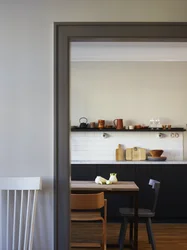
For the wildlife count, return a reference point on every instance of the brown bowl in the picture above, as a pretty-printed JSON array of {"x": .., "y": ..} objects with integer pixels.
[
  {"x": 138, "y": 126},
  {"x": 156, "y": 152}
]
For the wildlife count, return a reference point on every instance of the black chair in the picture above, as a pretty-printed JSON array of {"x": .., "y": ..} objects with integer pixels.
[{"x": 145, "y": 214}]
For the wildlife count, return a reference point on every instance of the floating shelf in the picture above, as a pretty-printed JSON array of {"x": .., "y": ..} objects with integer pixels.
[{"x": 127, "y": 130}]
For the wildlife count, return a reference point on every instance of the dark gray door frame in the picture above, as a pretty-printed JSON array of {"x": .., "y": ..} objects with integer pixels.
[{"x": 64, "y": 34}]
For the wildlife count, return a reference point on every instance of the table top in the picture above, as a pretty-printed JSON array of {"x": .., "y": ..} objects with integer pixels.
[{"x": 91, "y": 185}]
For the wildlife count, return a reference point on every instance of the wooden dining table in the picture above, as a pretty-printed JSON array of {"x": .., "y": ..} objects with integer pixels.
[{"x": 127, "y": 187}]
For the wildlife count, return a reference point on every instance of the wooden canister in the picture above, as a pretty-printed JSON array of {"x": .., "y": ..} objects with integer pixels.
[{"x": 101, "y": 124}]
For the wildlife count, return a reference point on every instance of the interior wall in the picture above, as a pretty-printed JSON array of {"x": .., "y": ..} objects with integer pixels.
[
  {"x": 26, "y": 81},
  {"x": 94, "y": 147},
  {"x": 133, "y": 91}
]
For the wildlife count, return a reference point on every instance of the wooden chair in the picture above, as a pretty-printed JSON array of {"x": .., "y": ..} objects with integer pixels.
[
  {"x": 146, "y": 214},
  {"x": 87, "y": 208},
  {"x": 18, "y": 204}
]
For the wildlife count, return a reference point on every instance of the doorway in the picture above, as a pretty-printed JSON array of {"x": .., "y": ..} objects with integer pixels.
[{"x": 65, "y": 33}]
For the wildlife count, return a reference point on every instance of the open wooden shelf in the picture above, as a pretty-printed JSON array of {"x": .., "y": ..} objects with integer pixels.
[{"x": 127, "y": 130}]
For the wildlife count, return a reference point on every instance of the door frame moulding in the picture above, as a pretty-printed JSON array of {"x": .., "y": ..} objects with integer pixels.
[{"x": 64, "y": 34}]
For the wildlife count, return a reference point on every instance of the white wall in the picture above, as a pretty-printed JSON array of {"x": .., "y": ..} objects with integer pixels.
[
  {"x": 26, "y": 82},
  {"x": 92, "y": 146},
  {"x": 133, "y": 91},
  {"x": 128, "y": 51}
]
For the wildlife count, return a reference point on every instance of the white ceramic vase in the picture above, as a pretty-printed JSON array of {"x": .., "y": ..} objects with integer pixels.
[{"x": 113, "y": 177}]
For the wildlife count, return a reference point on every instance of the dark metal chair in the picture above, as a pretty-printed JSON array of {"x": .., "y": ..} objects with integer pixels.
[{"x": 146, "y": 214}]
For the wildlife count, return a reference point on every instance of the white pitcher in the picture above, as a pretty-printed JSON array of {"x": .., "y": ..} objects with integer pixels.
[{"x": 113, "y": 177}]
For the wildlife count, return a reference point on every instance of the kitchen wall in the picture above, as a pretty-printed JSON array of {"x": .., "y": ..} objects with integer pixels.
[
  {"x": 92, "y": 146},
  {"x": 26, "y": 81},
  {"x": 135, "y": 92}
]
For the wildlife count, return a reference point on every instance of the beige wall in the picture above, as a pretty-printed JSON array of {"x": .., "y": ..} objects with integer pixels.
[
  {"x": 133, "y": 91},
  {"x": 26, "y": 81}
]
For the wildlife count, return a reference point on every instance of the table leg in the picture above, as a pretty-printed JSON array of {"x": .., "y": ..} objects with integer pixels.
[
  {"x": 131, "y": 222},
  {"x": 136, "y": 221},
  {"x": 131, "y": 232}
]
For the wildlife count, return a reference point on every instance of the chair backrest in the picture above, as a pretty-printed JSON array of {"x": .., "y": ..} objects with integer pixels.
[
  {"x": 19, "y": 204},
  {"x": 156, "y": 186},
  {"x": 87, "y": 201}
]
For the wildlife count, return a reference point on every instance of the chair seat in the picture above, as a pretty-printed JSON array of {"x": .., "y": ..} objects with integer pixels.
[
  {"x": 86, "y": 216},
  {"x": 129, "y": 212}
]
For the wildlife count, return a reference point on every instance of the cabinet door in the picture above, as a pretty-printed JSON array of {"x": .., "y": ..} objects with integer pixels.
[
  {"x": 124, "y": 172},
  {"x": 120, "y": 199},
  {"x": 174, "y": 187},
  {"x": 83, "y": 172},
  {"x": 146, "y": 194}
]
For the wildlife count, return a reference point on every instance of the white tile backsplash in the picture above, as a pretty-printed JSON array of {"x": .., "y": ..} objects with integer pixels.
[{"x": 93, "y": 146}]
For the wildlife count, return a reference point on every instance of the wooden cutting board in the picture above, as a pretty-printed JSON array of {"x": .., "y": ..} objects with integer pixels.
[
  {"x": 136, "y": 154},
  {"x": 120, "y": 153}
]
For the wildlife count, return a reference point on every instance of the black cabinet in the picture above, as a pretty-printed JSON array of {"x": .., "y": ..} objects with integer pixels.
[
  {"x": 124, "y": 172},
  {"x": 174, "y": 187},
  {"x": 83, "y": 172}
]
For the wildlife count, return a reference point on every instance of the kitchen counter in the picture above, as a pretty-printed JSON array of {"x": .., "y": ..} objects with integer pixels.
[{"x": 125, "y": 162}]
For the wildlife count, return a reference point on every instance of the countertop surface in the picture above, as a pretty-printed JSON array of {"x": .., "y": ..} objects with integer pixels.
[{"x": 126, "y": 162}]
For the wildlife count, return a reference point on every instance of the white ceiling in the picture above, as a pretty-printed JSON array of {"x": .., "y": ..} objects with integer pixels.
[{"x": 128, "y": 51}]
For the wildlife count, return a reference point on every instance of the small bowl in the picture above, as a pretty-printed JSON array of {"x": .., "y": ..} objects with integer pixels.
[
  {"x": 156, "y": 152},
  {"x": 138, "y": 126}
]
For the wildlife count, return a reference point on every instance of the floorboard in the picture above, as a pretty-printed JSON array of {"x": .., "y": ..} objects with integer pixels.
[{"x": 167, "y": 236}]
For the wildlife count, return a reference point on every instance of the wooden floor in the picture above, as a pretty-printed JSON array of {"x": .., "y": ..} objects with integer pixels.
[{"x": 167, "y": 236}]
